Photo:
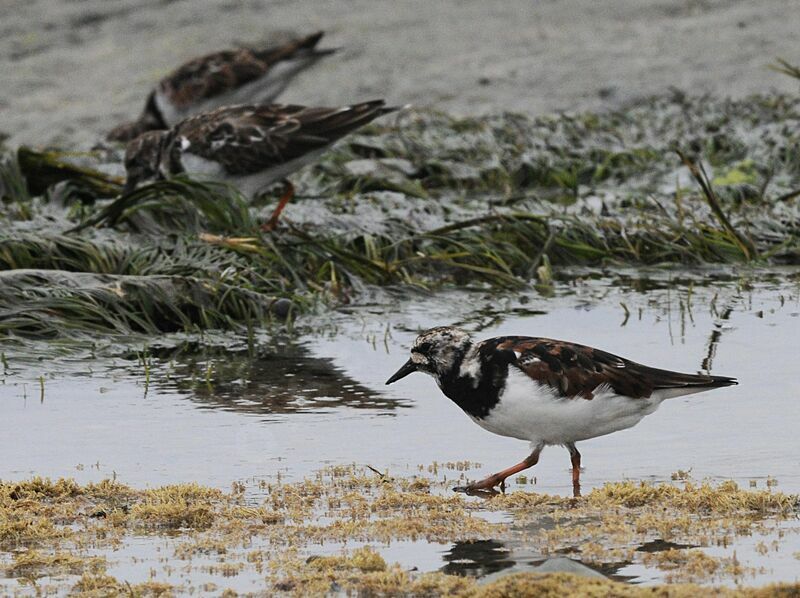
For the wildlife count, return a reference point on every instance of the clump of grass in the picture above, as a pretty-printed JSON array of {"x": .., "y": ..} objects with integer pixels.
[
  {"x": 186, "y": 505},
  {"x": 91, "y": 584},
  {"x": 363, "y": 559},
  {"x": 488, "y": 202},
  {"x": 699, "y": 173},
  {"x": 52, "y": 303},
  {"x": 38, "y": 488},
  {"x": 704, "y": 498},
  {"x": 32, "y": 564},
  {"x": 43, "y": 169},
  {"x": 556, "y": 585},
  {"x": 177, "y": 204},
  {"x": 693, "y": 564},
  {"x": 784, "y": 67},
  {"x": 13, "y": 187}
]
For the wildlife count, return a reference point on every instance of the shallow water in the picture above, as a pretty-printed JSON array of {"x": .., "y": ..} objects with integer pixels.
[{"x": 321, "y": 400}]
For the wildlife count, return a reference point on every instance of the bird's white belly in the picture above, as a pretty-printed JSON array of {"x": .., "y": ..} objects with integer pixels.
[
  {"x": 530, "y": 411},
  {"x": 170, "y": 113},
  {"x": 202, "y": 169},
  {"x": 249, "y": 185},
  {"x": 259, "y": 91}
]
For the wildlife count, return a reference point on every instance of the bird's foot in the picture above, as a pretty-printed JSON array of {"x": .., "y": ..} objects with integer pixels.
[
  {"x": 576, "y": 489},
  {"x": 288, "y": 193},
  {"x": 484, "y": 487},
  {"x": 269, "y": 225}
]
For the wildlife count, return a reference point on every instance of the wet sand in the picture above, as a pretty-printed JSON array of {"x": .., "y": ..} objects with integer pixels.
[{"x": 74, "y": 69}]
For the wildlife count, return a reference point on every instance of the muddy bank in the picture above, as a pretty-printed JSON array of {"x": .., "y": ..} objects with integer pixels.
[
  {"x": 327, "y": 533},
  {"x": 75, "y": 69}
]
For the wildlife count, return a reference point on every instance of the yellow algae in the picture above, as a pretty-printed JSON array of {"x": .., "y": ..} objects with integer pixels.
[
  {"x": 440, "y": 584},
  {"x": 102, "y": 586},
  {"x": 224, "y": 569},
  {"x": 39, "y": 487},
  {"x": 172, "y": 515},
  {"x": 364, "y": 559},
  {"x": 186, "y": 550},
  {"x": 265, "y": 516},
  {"x": 724, "y": 498},
  {"x": 33, "y": 564},
  {"x": 274, "y": 539},
  {"x": 691, "y": 565},
  {"x": 20, "y": 529},
  {"x": 558, "y": 585},
  {"x": 96, "y": 585},
  {"x": 186, "y": 505}
]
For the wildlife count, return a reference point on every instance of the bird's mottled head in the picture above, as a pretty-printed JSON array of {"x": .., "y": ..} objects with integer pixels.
[
  {"x": 143, "y": 159},
  {"x": 436, "y": 352}
]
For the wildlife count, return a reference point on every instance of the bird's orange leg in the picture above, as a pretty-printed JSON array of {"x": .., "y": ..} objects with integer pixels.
[
  {"x": 575, "y": 458},
  {"x": 499, "y": 479},
  {"x": 288, "y": 193}
]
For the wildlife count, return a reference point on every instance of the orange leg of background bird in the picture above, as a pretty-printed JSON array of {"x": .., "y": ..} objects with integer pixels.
[
  {"x": 288, "y": 193},
  {"x": 499, "y": 478},
  {"x": 575, "y": 458}
]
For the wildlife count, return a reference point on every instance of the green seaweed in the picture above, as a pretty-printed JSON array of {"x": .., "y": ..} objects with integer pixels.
[{"x": 426, "y": 202}]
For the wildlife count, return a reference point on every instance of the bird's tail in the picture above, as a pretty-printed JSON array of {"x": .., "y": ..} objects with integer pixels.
[
  {"x": 303, "y": 48},
  {"x": 309, "y": 43},
  {"x": 674, "y": 384},
  {"x": 333, "y": 123}
]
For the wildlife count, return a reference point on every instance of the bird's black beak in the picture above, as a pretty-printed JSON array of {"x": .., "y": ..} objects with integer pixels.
[{"x": 409, "y": 367}]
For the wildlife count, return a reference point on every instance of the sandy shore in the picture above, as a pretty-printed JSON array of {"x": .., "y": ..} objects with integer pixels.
[{"x": 73, "y": 69}]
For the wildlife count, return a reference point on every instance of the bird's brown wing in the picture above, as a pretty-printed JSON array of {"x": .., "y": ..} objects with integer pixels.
[
  {"x": 220, "y": 72},
  {"x": 212, "y": 75},
  {"x": 573, "y": 370},
  {"x": 248, "y": 138}
]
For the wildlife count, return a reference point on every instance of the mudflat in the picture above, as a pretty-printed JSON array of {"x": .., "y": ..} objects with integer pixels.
[{"x": 74, "y": 69}]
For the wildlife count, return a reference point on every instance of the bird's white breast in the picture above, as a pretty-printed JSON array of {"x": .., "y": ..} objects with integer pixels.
[
  {"x": 202, "y": 168},
  {"x": 170, "y": 113},
  {"x": 531, "y": 411},
  {"x": 250, "y": 185}
]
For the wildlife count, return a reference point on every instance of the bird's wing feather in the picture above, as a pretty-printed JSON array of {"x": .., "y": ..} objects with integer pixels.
[
  {"x": 250, "y": 138},
  {"x": 578, "y": 371},
  {"x": 220, "y": 72},
  {"x": 212, "y": 75}
]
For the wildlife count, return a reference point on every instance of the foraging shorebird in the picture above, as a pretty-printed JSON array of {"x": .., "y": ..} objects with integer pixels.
[
  {"x": 243, "y": 75},
  {"x": 248, "y": 146},
  {"x": 544, "y": 391}
]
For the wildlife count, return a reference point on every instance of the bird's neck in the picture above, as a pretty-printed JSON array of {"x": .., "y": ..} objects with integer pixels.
[
  {"x": 151, "y": 115},
  {"x": 475, "y": 382}
]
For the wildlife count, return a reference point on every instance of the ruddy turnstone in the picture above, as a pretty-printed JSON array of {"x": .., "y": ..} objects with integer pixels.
[
  {"x": 544, "y": 391},
  {"x": 248, "y": 146},
  {"x": 243, "y": 75}
]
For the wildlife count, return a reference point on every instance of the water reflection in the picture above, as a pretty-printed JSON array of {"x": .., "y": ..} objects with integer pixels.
[
  {"x": 477, "y": 558},
  {"x": 493, "y": 559},
  {"x": 280, "y": 380},
  {"x": 716, "y": 336},
  {"x": 659, "y": 545}
]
